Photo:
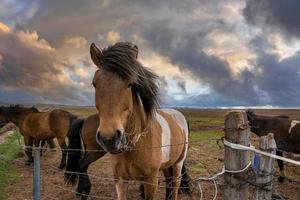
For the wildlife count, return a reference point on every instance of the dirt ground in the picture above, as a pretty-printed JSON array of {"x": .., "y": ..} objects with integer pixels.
[{"x": 205, "y": 158}]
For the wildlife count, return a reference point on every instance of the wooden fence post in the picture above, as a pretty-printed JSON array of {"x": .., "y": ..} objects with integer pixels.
[
  {"x": 265, "y": 168},
  {"x": 236, "y": 131},
  {"x": 37, "y": 174}
]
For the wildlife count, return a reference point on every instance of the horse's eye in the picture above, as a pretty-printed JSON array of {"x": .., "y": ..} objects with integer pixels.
[
  {"x": 93, "y": 84},
  {"x": 129, "y": 85}
]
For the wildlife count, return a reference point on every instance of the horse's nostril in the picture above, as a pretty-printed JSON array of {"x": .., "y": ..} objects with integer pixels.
[{"x": 119, "y": 133}]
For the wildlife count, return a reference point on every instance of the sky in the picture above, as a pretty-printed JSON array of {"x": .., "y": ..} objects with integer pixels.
[{"x": 207, "y": 53}]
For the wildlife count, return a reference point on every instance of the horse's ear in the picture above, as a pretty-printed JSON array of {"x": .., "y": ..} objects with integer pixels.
[
  {"x": 34, "y": 108},
  {"x": 135, "y": 47},
  {"x": 96, "y": 55}
]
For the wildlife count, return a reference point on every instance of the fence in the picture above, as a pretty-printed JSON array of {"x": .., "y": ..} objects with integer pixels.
[{"x": 239, "y": 170}]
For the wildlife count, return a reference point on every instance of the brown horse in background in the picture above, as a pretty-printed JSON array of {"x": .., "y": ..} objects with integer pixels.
[
  {"x": 80, "y": 157},
  {"x": 143, "y": 139},
  {"x": 286, "y": 133},
  {"x": 38, "y": 126}
]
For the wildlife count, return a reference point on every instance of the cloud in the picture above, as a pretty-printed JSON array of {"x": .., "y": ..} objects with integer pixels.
[
  {"x": 76, "y": 41},
  {"x": 279, "y": 79},
  {"x": 208, "y": 53},
  {"x": 278, "y": 15},
  {"x": 113, "y": 37},
  {"x": 184, "y": 50},
  {"x": 29, "y": 63}
]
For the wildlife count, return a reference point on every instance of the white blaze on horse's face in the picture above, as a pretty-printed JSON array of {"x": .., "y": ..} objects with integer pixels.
[{"x": 114, "y": 102}]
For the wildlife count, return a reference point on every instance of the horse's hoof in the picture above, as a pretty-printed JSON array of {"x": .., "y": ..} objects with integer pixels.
[
  {"x": 281, "y": 179},
  {"x": 142, "y": 191},
  {"x": 82, "y": 196}
]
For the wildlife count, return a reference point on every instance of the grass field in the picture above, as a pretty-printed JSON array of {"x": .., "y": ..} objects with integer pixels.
[
  {"x": 205, "y": 158},
  {"x": 9, "y": 151}
]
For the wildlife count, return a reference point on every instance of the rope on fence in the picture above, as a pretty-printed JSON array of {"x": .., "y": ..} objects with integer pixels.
[
  {"x": 214, "y": 178},
  {"x": 253, "y": 149}
]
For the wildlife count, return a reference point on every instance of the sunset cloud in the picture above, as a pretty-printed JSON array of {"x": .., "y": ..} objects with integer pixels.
[
  {"x": 207, "y": 53},
  {"x": 29, "y": 63}
]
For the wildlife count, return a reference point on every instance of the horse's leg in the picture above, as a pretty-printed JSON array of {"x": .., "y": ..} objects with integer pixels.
[
  {"x": 28, "y": 149},
  {"x": 150, "y": 186},
  {"x": 43, "y": 142},
  {"x": 281, "y": 167},
  {"x": 51, "y": 144},
  {"x": 63, "y": 147},
  {"x": 168, "y": 173},
  {"x": 84, "y": 184},
  {"x": 176, "y": 179},
  {"x": 121, "y": 187}
]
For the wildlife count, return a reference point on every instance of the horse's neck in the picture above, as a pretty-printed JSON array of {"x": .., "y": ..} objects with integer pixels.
[
  {"x": 18, "y": 118},
  {"x": 265, "y": 127},
  {"x": 138, "y": 119}
]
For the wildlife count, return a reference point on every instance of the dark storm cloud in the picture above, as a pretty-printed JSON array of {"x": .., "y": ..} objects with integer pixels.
[
  {"x": 57, "y": 19},
  {"x": 169, "y": 27},
  {"x": 178, "y": 30},
  {"x": 281, "y": 15},
  {"x": 280, "y": 79},
  {"x": 29, "y": 64},
  {"x": 185, "y": 50},
  {"x": 181, "y": 84}
]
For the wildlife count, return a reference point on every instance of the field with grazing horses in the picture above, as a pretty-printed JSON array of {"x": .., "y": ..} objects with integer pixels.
[{"x": 205, "y": 158}]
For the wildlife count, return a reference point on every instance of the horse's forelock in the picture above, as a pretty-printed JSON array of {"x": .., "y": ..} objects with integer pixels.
[{"x": 121, "y": 59}]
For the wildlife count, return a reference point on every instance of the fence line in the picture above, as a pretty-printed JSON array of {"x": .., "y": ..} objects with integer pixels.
[{"x": 196, "y": 182}]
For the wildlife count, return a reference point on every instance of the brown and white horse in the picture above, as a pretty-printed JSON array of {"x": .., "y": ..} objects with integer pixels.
[{"x": 142, "y": 138}]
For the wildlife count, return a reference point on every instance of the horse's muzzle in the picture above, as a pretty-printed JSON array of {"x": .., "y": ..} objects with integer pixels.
[{"x": 113, "y": 145}]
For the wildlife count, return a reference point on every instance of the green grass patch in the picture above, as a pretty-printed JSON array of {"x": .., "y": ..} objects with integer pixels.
[
  {"x": 206, "y": 120},
  {"x": 9, "y": 150},
  {"x": 205, "y": 135},
  {"x": 198, "y": 168},
  {"x": 200, "y": 123}
]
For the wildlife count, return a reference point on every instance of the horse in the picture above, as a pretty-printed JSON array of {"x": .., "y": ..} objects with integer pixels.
[
  {"x": 286, "y": 134},
  {"x": 142, "y": 139},
  {"x": 82, "y": 132},
  {"x": 83, "y": 150},
  {"x": 38, "y": 126}
]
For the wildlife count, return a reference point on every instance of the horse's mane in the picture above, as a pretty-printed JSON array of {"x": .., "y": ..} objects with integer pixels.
[
  {"x": 251, "y": 112},
  {"x": 121, "y": 59},
  {"x": 13, "y": 108}
]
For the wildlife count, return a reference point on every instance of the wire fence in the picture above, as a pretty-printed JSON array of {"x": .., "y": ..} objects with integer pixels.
[{"x": 203, "y": 187}]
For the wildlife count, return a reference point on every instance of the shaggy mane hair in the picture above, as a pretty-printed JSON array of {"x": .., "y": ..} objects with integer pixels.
[{"x": 121, "y": 59}]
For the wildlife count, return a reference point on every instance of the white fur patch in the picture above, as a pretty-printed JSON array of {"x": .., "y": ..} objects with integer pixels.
[
  {"x": 293, "y": 123},
  {"x": 166, "y": 137},
  {"x": 180, "y": 119}
]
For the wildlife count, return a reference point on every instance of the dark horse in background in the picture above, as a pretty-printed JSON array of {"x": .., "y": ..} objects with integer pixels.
[
  {"x": 39, "y": 126},
  {"x": 286, "y": 133},
  {"x": 83, "y": 150}
]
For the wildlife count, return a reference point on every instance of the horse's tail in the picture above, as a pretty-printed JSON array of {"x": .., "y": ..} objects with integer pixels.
[
  {"x": 185, "y": 182},
  {"x": 72, "y": 120},
  {"x": 73, "y": 152},
  {"x": 185, "y": 179}
]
